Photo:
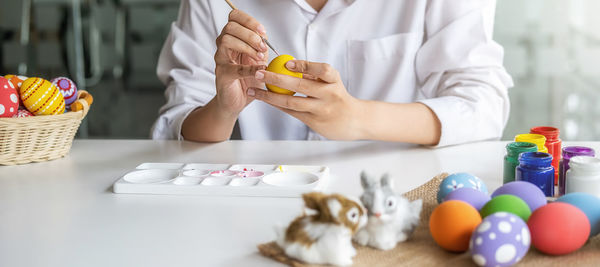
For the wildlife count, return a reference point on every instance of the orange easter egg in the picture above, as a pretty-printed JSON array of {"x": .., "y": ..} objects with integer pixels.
[
  {"x": 16, "y": 80},
  {"x": 452, "y": 223}
]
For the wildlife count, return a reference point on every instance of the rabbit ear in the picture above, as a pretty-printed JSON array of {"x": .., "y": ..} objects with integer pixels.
[
  {"x": 386, "y": 181},
  {"x": 366, "y": 181},
  {"x": 313, "y": 200}
]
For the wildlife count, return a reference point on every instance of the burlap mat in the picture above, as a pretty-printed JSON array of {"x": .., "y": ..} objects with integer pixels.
[{"x": 421, "y": 250}]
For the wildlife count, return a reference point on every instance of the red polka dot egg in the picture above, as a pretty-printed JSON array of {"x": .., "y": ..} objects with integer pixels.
[{"x": 9, "y": 98}]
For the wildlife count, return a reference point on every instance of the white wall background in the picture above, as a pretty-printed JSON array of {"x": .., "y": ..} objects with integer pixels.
[{"x": 552, "y": 50}]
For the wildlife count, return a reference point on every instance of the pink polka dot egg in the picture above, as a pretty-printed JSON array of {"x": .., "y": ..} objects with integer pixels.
[
  {"x": 502, "y": 239},
  {"x": 9, "y": 98},
  {"x": 67, "y": 88}
]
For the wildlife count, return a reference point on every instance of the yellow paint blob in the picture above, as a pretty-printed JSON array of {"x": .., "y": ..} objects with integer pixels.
[{"x": 277, "y": 65}]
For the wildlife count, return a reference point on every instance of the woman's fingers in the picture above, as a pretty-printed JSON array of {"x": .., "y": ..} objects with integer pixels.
[
  {"x": 227, "y": 42},
  {"x": 236, "y": 71},
  {"x": 299, "y": 85},
  {"x": 247, "y": 21},
  {"x": 295, "y": 103},
  {"x": 241, "y": 34},
  {"x": 322, "y": 71},
  {"x": 250, "y": 37}
]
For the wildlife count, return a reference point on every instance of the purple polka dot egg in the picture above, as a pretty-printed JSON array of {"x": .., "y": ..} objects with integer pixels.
[
  {"x": 502, "y": 239},
  {"x": 67, "y": 88}
]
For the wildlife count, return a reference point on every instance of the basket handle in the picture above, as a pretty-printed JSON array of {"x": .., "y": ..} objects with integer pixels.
[{"x": 83, "y": 102}]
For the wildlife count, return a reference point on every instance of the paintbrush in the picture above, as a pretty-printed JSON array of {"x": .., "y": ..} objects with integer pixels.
[{"x": 263, "y": 38}]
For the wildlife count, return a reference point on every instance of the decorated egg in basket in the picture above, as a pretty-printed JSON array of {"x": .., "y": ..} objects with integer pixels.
[
  {"x": 41, "y": 97},
  {"x": 22, "y": 113},
  {"x": 16, "y": 80},
  {"x": 67, "y": 88},
  {"x": 9, "y": 100}
]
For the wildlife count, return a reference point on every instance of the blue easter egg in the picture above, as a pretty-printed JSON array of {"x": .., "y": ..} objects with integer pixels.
[
  {"x": 459, "y": 180},
  {"x": 587, "y": 203}
]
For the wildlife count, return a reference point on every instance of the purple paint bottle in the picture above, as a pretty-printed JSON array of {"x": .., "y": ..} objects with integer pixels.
[{"x": 567, "y": 154}]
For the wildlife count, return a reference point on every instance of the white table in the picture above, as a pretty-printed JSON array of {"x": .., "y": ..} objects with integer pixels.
[{"x": 63, "y": 212}]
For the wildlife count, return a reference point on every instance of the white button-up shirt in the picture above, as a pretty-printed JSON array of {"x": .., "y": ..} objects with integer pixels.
[{"x": 437, "y": 52}]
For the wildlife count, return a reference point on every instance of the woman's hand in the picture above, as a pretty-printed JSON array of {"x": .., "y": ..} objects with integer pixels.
[
  {"x": 240, "y": 53},
  {"x": 328, "y": 108}
]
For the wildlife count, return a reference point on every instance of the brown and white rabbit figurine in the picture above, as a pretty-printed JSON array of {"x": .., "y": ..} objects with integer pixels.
[
  {"x": 325, "y": 236},
  {"x": 392, "y": 218}
]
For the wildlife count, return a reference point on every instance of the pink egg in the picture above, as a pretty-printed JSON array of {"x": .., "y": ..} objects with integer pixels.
[
  {"x": 558, "y": 228},
  {"x": 67, "y": 88},
  {"x": 9, "y": 99}
]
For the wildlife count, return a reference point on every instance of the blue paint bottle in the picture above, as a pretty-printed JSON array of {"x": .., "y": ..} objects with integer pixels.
[{"x": 536, "y": 168}]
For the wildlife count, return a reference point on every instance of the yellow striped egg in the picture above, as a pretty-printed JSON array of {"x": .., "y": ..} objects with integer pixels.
[{"x": 41, "y": 97}]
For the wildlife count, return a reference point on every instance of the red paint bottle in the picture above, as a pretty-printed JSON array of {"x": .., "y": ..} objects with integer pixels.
[{"x": 553, "y": 143}]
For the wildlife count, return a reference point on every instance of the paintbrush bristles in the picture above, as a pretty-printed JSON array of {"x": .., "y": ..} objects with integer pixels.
[{"x": 230, "y": 4}]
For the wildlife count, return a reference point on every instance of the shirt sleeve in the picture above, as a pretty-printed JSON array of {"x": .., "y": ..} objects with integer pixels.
[
  {"x": 186, "y": 67},
  {"x": 460, "y": 72}
]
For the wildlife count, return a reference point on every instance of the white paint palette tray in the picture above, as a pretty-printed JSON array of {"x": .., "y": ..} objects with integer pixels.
[{"x": 223, "y": 179}]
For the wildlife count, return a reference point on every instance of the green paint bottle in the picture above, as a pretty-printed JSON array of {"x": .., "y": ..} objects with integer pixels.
[{"x": 511, "y": 160}]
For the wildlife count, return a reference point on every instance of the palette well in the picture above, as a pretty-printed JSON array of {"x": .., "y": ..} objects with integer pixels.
[{"x": 222, "y": 179}]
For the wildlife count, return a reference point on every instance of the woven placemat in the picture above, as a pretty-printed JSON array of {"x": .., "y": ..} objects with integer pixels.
[{"x": 421, "y": 249}]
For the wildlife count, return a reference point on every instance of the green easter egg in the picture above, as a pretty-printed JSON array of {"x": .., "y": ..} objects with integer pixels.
[{"x": 507, "y": 203}]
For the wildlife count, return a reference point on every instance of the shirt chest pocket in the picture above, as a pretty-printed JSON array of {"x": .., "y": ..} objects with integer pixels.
[{"x": 384, "y": 68}]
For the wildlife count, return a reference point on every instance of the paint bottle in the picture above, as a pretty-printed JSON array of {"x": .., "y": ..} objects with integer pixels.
[
  {"x": 511, "y": 160},
  {"x": 567, "y": 154},
  {"x": 583, "y": 175},
  {"x": 537, "y": 139},
  {"x": 536, "y": 168},
  {"x": 553, "y": 143}
]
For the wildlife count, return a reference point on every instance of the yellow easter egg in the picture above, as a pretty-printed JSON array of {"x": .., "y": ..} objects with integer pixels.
[
  {"x": 41, "y": 97},
  {"x": 277, "y": 65}
]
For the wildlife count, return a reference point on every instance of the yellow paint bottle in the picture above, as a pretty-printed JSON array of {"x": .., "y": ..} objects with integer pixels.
[{"x": 537, "y": 139}]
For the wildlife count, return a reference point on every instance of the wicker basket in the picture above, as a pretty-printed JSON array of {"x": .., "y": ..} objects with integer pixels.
[{"x": 38, "y": 138}]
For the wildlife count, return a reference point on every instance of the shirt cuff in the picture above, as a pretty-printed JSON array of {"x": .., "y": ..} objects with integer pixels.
[
  {"x": 179, "y": 122},
  {"x": 448, "y": 109},
  {"x": 168, "y": 125}
]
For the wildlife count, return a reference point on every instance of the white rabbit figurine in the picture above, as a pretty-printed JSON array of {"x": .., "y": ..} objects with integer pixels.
[
  {"x": 324, "y": 237},
  {"x": 392, "y": 218}
]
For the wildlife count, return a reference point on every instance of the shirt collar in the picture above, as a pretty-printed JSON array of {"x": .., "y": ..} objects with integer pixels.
[
  {"x": 335, "y": 5},
  {"x": 304, "y": 5}
]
